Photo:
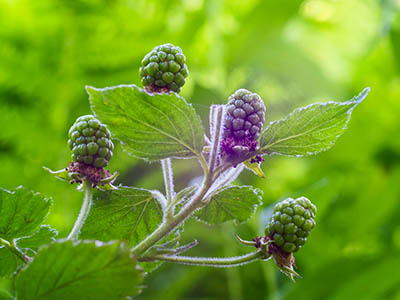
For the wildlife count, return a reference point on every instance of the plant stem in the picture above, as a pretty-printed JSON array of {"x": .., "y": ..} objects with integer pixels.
[
  {"x": 204, "y": 165},
  {"x": 170, "y": 224},
  {"x": 87, "y": 202},
  {"x": 209, "y": 261},
  {"x": 224, "y": 179},
  {"x": 14, "y": 249},
  {"x": 216, "y": 121},
  {"x": 168, "y": 179}
]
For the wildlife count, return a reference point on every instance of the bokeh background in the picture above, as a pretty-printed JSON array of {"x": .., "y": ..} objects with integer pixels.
[{"x": 290, "y": 52}]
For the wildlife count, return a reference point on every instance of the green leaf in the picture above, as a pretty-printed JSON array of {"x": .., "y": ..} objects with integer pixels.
[
  {"x": 82, "y": 270},
  {"x": 8, "y": 262},
  {"x": 237, "y": 203},
  {"x": 127, "y": 213},
  {"x": 22, "y": 211},
  {"x": 45, "y": 235},
  {"x": 151, "y": 127},
  {"x": 309, "y": 130}
]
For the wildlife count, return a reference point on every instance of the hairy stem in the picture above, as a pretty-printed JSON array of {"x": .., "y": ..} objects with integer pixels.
[
  {"x": 209, "y": 261},
  {"x": 87, "y": 202},
  {"x": 216, "y": 121},
  {"x": 168, "y": 179},
  {"x": 224, "y": 179},
  {"x": 172, "y": 223},
  {"x": 14, "y": 249}
]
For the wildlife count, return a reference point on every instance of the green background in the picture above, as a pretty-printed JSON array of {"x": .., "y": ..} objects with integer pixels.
[{"x": 290, "y": 52}]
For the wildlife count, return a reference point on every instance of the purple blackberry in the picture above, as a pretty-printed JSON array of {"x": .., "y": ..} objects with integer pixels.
[{"x": 245, "y": 116}]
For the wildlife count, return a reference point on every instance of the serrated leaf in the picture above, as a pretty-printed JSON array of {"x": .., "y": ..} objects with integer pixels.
[
  {"x": 233, "y": 203},
  {"x": 45, "y": 235},
  {"x": 309, "y": 130},
  {"x": 22, "y": 211},
  {"x": 27, "y": 246},
  {"x": 127, "y": 213},
  {"x": 80, "y": 271},
  {"x": 151, "y": 127}
]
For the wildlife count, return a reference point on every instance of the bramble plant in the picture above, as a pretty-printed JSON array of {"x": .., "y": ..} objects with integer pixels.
[{"x": 124, "y": 232}]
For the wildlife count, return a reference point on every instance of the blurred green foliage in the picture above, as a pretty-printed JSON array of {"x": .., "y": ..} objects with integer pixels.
[{"x": 292, "y": 53}]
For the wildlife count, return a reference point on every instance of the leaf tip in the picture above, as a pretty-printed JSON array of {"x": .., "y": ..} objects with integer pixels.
[
  {"x": 89, "y": 88},
  {"x": 366, "y": 90},
  {"x": 92, "y": 92},
  {"x": 364, "y": 93}
]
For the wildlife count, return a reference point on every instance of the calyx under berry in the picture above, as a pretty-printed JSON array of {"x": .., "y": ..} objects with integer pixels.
[
  {"x": 92, "y": 148},
  {"x": 286, "y": 233}
]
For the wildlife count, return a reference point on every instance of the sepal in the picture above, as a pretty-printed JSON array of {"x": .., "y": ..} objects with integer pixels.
[
  {"x": 62, "y": 174},
  {"x": 106, "y": 184},
  {"x": 75, "y": 173},
  {"x": 254, "y": 165}
]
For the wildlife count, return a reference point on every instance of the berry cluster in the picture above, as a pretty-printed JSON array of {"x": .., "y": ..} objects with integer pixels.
[
  {"x": 90, "y": 143},
  {"x": 291, "y": 223},
  {"x": 164, "y": 69},
  {"x": 245, "y": 116}
]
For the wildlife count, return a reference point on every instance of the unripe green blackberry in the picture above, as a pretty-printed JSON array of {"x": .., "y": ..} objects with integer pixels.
[
  {"x": 164, "y": 68},
  {"x": 291, "y": 223},
  {"x": 90, "y": 142},
  {"x": 245, "y": 115}
]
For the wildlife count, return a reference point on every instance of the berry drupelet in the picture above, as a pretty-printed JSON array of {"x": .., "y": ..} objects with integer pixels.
[
  {"x": 244, "y": 119},
  {"x": 164, "y": 69},
  {"x": 90, "y": 143},
  {"x": 291, "y": 223}
]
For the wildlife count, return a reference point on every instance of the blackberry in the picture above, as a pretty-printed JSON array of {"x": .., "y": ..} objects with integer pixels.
[
  {"x": 244, "y": 119},
  {"x": 245, "y": 115},
  {"x": 164, "y": 69},
  {"x": 90, "y": 143},
  {"x": 291, "y": 223}
]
